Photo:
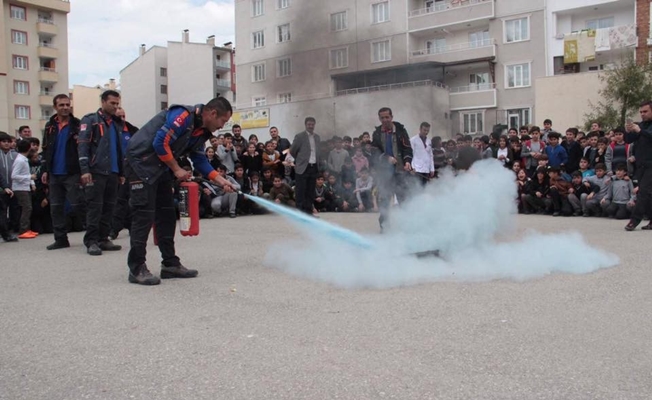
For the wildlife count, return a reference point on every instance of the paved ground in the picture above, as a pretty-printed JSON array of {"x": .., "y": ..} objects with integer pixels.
[{"x": 73, "y": 328}]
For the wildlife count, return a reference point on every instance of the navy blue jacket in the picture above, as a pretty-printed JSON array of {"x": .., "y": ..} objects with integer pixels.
[{"x": 94, "y": 145}]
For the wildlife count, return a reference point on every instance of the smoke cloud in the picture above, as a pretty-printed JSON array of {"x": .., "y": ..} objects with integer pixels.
[{"x": 470, "y": 219}]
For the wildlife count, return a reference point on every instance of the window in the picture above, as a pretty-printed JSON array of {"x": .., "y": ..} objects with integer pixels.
[
  {"x": 18, "y": 13},
  {"x": 164, "y": 89},
  {"x": 517, "y": 30},
  {"x": 435, "y": 46},
  {"x": 164, "y": 105},
  {"x": 479, "y": 81},
  {"x": 284, "y": 67},
  {"x": 281, "y": 4},
  {"x": 518, "y": 117},
  {"x": 479, "y": 39},
  {"x": 258, "y": 39},
  {"x": 283, "y": 33},
  {"x": 339, "y": 21},
  {"x": 22, "y": 112},
  {"x": 518, "y": 75},
  {"x": 18, "y": 37},
  {"x": 259, "y": 101},
  {"x": 258, "y": 73},
  {"x": 285, "y": 98},
  {"x": 21, "y": 87},
  {"x": 600, "y": 23},
  {"x": 257, "y": 7},
  {"x": 20, "y": 62},
  {"x": 339, "y": 58},
  {"x": 164, "y": 72},
  {"x": 380, "y": 12},
  {"x": 381, "y": 51},
  {"x": 472, "y": 122},
  {"x": 435, "y": 5}
]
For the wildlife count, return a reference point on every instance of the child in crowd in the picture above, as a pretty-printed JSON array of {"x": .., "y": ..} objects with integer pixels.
[
  {"x": 438, "y": 153},
  {"x": 543, "y": 161},
  {"x": 537, "y": 199},
  {"x": 591, "y": 149},
  {"x": 272, "y": 159},
  {"x": 618, "y": 152},
  {"x": 359, "y": 160},
  {"x": 559, "y": 189},
  {"x": 267, "y": 181},
  {"x": 585, "y": 170},
  {"x": 348, "y": 170},
  {"x": 523, "y": 188},
  {"x": 244, "y": 206},
  {"x": 601, "y": 154},
  {"x": 323, "y": 198},
  {"x": 363, "y": 187},
  {"x": 504, "y": 152},
  {"x": 619, "y": 201},
  {"x": 252, "y": 160},
  {"x": 533, "y": 150},
  {"x": 223, "y": 201},
  {"x": 21, "y": 184},
  {"x": 591, "y": 202},
  {"x": 516, "y": 167},
  {"x": 348, "y": 199},
  {"x": 577, "y": 189},
  {"x": 557, "y": 155},
  {"x": 282, "y": 193},
  {"x": 255, "y": 186},
  {"x": 337, "y": 156}
]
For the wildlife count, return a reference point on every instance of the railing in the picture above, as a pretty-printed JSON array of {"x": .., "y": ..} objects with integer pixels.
[
  {"x": 46, "y": 69},
  {"x": 223, "y": 64},
  {"x": 478, "y": 44},
  {"x": 46, "y": 20},
  {"x": 48, "y": 45},
  {"x": 46, "y": 93},
  {"x": 473, "y": 88},
  {"x": 390, "y": 86},
  {"x": 223, "y": 82},
  {"x": 445, "y": 6}
]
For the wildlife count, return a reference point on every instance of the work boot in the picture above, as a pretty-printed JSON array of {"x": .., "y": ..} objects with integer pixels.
[
  {"x": 631, "y": 225},
  {"x": 59, "y": 244},
  {"x": 94, "y": 250},
  {"x": 177, "y": 271},
  {"x": 107, "y": 245},
  {"x": 113, "y": 235},
  {"x": 143, "y": 277},
  {"x": 10, "y": 238},
  {"x": 647, "y": 227}
]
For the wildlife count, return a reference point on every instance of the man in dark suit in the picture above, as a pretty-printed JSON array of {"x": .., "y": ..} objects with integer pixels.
[
  {"x": 305, "y": 150},
  {"x": 395, "y": 162}
]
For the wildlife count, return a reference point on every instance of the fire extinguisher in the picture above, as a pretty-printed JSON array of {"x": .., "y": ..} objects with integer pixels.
[{"x": 189, "y": 209}]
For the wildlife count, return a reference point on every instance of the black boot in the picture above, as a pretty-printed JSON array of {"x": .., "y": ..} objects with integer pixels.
[
  {"x": 143, "y": 277},
  {"x": 107, "y": 245},
  {"x": 177, "y": 271},
  {"x": 59, "y": 244}
]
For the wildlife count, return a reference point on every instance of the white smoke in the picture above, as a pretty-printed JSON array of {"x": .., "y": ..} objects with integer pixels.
[{"x": 468, "y": 218}]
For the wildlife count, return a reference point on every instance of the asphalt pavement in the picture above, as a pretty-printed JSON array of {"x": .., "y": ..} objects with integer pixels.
[{"x": 73, "y": 328}]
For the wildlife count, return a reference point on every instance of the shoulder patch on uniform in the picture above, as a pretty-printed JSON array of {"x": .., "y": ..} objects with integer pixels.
[
  {"x": 83, "y": 127},
  {"x": 181, "y": 119}
]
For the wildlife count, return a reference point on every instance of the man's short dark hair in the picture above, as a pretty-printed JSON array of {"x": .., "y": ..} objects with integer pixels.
[
  {"x": 59, "y": 97},
  {"x": 272, "y": 127},
  {"x": 382, "y": 110},
  {"x": 547, "y": 121},
  {"x": 236, "y": 126},
  {"x": 309, "y": 119},
  {"x": 23, "y": 146},
  {"x": 647, "y": 103},
  {"x": 105, "y": 95},
  {"x": 621, "y": 167},
  {"x": 424, "y": 125},
  {"x": 220, "y": 105},
  {"x": 22, "y": 128}
]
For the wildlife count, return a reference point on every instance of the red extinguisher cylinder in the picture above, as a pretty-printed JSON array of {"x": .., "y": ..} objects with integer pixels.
[{"x": 189, "y": 209}]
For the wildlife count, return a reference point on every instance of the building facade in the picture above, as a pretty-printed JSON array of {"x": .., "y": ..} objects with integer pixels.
[
  {"x": 33, "y": 61},
  {"x": 485, "y": 54},
  {"x": 87, "y": 99},
  {"x": 181, "y": 73}
]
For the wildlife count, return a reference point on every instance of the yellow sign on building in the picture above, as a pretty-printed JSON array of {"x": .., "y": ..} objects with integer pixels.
[{"x": 249, "y": 119}]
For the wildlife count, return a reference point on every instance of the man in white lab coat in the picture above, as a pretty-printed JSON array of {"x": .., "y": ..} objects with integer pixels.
[{"x": 422, "y": 161}]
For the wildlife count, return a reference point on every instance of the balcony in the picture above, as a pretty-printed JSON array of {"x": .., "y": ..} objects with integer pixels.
[
  {"x": 225, "y": 83},
  {"x": 46, "y": 26},
  {"x": 473, "y": 97},
  {"x": 48, "y": 75},
  {"x": 456, "y": 53},
  {"x": 225, "y": 65},
  {"x": 45, "y": 99},
  {"x": 450, "y": 13},
  {"x": 46, "y": 50},
  {"x": 55, "y": 5}
]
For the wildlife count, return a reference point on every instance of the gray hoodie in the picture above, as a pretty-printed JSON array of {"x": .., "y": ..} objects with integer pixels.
[
  {"x": 621, "y": 191},
  {"x": 603, "y": 183},
  {"x": 6, "y": 165}
]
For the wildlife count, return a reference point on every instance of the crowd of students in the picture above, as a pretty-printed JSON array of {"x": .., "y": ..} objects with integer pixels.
[{"x": 575, "y": 174}]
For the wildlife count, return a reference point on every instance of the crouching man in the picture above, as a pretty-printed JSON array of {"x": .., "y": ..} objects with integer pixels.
[{"x": 151, "y": 171}]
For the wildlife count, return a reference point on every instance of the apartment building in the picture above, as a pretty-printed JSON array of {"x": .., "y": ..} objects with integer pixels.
[
  {"x": 463, "y": 65},
  {"x": 181, "y": 73},
  {"x": 586, "y": 37},
  {"x": 33, "y": 61}
]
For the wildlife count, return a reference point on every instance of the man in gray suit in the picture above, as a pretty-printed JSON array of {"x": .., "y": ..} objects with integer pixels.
[{"x": 305, "y": 150}]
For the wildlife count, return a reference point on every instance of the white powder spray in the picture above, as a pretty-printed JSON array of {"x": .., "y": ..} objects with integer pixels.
[{"x": 461, "y": 216}]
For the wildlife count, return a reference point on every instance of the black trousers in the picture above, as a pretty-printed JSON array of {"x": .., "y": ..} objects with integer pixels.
[
  {"x": 390, "y": 183},
  {"x": 560, "y": 203},
  {"x": 151, "y": 204},
  {"x": 64, "y": 187},
  {"x": 4, "y": 221},
  {"x": 122, "y": 212},
  {"x": 100, "y": 202},
  {"x": 305, "y": 188},
  {"x": 644, "y": 197},
  {"x": 618, "y": 211}
]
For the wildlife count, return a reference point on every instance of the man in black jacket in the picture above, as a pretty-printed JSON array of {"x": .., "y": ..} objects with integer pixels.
[
  {"x": 61, "y": 168},
  {"x": 641, "y": 135},
  {"x": 100, "y": 161},
  {"x": 395, "y": 161}
]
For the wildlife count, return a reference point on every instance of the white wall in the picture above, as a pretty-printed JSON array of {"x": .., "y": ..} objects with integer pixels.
[
  {"x": 191, "y": 72},
  {"x": 353, "y": 114},
  {"x": 140, "y": 85}
]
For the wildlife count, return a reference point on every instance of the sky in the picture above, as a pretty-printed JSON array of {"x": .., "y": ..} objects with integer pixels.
[{"x": 103, "y": 40}]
